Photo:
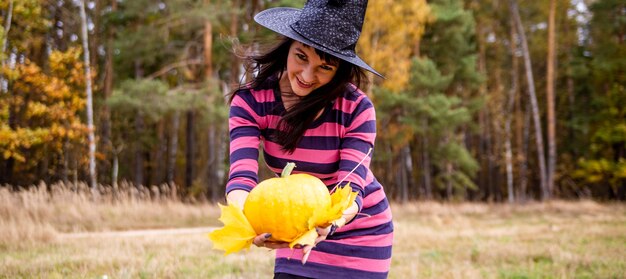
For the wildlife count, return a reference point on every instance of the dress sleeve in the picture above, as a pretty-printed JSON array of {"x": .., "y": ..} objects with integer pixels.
[
  {"x": 245, "y": 136},
  {"x": 358, "y": 139}
]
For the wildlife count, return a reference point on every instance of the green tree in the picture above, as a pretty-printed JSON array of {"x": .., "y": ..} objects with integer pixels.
[
  {"x": 605, "y": 161},
  {"x": 436, "y": 119},
  {"x": 449, "y": 44}
]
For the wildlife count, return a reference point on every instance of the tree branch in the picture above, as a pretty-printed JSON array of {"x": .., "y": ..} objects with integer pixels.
[{"x": 175, "y": 65}]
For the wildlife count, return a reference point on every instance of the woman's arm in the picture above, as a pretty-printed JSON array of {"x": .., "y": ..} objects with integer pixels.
[
  {"x": 355, "y": 150},
  {"x": 350, "y": 213},
  {"x": 245, "y": 132},
  {"x": 237, "y": 197}
]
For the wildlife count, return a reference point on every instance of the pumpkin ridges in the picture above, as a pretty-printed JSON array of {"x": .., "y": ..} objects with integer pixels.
[
  {"x": 291, "y": 201},
  {"x": 280, "y": 215},
  {"x": 255, "y": 213},
  {"x": 318, "y": 192}
]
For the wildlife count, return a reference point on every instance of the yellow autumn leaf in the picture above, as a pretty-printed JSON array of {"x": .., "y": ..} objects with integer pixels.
[
  {"x": 343, "y": 197},
  {"x": 341, "y": 200},
  {"x": 237, "y": 233},
  {"x": 307, "y": 238}
]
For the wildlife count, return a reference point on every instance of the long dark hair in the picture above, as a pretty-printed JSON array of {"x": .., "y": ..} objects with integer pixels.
[{"x": 295, "y": 121}]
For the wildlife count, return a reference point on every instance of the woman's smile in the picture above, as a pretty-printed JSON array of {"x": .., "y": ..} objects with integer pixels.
[
  {"x": 306, "y": 70},
  {"x": 304, "y": 85}
]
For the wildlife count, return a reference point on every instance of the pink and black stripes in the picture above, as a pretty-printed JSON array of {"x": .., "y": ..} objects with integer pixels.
[{"x": 331, "y": 148}]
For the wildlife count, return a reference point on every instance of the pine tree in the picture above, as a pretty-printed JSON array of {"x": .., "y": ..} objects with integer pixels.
[
  {"x": 449, "y": 43},
  {"x": 605, "y": 161}
]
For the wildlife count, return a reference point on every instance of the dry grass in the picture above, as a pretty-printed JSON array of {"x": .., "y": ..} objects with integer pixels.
[
  {"x": 558, "y": 239},
  {"x": 40, "y": 213},
  {"x": 187, "y": 256},
  {"x": 541, "y": 240}
]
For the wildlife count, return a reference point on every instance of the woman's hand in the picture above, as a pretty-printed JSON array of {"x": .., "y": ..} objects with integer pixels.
[
  {"x": 322, "y": 234},
  {"x": 262, "y": 240}
]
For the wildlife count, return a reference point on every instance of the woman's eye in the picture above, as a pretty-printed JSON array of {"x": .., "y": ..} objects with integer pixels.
[
  {"x": 301, "y": 57},
  {"x": 327, "y": 68}
]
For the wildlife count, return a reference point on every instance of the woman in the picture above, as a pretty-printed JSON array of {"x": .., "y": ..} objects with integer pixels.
[{"x": 304, "y": 105}]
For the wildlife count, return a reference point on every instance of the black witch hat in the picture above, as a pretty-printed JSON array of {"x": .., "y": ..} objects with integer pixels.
[{"x": 332, "y": 26}]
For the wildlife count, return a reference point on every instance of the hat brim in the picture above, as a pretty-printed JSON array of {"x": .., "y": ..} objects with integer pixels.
[{"x": 280, "y": 19}]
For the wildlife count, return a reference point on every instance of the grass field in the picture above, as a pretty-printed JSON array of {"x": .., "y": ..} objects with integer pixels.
[{"x": 558, "y": 239}]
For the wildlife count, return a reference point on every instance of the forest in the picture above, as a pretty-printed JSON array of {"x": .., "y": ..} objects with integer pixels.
[{"x": 483, "y": 100}]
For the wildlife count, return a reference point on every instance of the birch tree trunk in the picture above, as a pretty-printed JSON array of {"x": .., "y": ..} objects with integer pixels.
[
  {"x": 405, "y": 173},
  {"x": 115, "y": 170},
  {"x": 545, "y": 193},
  {"x": 7, "y": 27},
  {"x": 550, "y": 84},
  {"x": 509, "y": 115},
  {"x": 116, "y": 164},
  {"x": 6, "y": 173},
  {"x": 90, "y": 127},
  {"x": 525, "y": 153}
]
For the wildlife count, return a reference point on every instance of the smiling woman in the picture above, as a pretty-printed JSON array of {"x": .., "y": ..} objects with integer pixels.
[
  {"x": 306, "y": 70},
  {"x": 305, "y": 106},
  {"x": 305, "y": 76}
]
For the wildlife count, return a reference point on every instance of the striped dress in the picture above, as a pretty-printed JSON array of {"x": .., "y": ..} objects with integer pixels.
[{"x": 332, "y": 146}]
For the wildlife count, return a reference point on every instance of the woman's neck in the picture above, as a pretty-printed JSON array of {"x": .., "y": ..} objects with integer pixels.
[{"x": 287, "y": 96}]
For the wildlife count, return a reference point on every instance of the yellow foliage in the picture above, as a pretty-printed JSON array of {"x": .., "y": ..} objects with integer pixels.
[
  {"x": 397, "y": 134},
  {"x": 36, "y": 109},
  {"x": 12, "y": 142},
  {"x": 602, "y": 170},
  {"x": 67, "y": 66},
  {"x": 391, "y": 37},
  {"x": 237, "y": 233},
  {"x": 289, "y": 207},
  {"x": 620, "y": 169},
  {"x": 47, "y": 107}
]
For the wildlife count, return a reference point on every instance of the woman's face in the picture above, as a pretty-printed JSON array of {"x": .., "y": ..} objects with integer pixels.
[{"x": 306, "y": 71}]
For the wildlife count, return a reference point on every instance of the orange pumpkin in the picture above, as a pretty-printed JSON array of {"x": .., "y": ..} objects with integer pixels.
[{"x": 289, "y": 207}]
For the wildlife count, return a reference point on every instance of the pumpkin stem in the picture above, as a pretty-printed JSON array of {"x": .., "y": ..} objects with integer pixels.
[{"x": 288, "y": 169}]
